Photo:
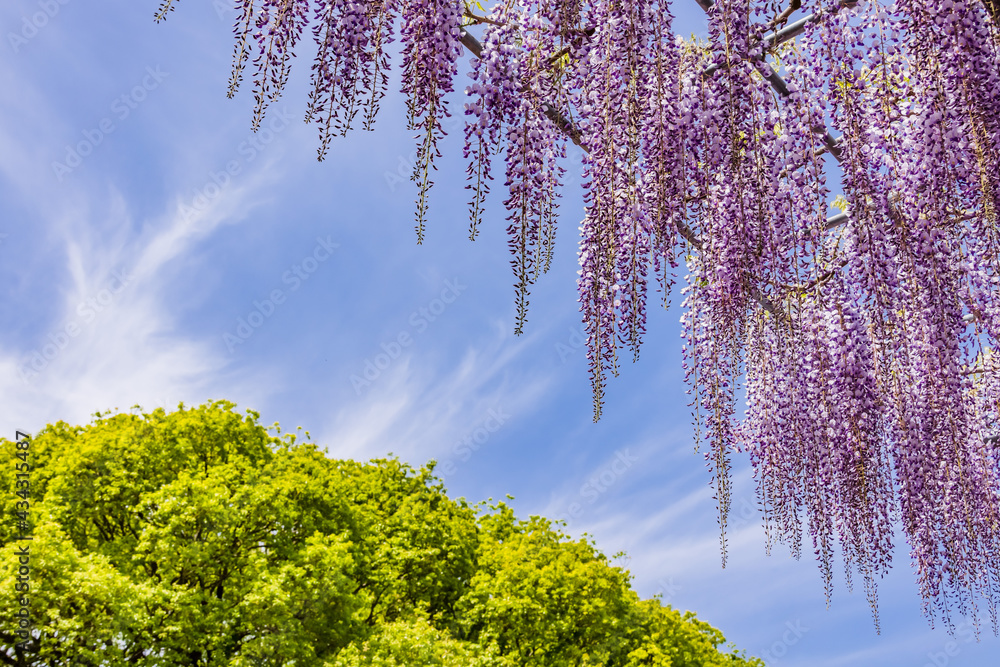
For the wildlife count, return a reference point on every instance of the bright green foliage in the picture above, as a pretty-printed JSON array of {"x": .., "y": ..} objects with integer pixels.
[
  {"x": 415, "y": 642},
  {"x": 198, "y": 538}
]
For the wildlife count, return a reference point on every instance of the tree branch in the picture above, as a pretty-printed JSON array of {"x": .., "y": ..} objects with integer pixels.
[
  {"x": 782, "y": 18},
  {"x": 551, "y": 111},
  {"x": 476, "y": 20},
  {"x": 993, "y": 8}
]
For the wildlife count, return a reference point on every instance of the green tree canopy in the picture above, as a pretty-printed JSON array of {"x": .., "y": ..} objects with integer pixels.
[{"x": 198, "y": 537}]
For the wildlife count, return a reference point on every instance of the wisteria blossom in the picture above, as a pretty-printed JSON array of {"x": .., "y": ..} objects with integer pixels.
[
  {"x": 350, "y": 72},
  {"x": 864, "y": 341}
]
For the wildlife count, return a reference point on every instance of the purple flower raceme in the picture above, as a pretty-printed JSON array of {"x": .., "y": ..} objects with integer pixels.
[
  {"x": 494, "y": 92},
  {"x": 279, "y": 26},
  {"x": 533, "y": 180},
  {"x": 350, "y": 72},
  {"x": 815, "y": 433},
  {"x": 634, "y": 177},
  {"x": 710, "y": 353},
  {"x": 431, "y": 46},
  {"x": 243, "y": 30}
]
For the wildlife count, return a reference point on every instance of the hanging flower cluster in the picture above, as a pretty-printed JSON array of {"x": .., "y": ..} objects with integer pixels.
[
  {"x": 351, "y": 68},
  {"x": 816, "y": 436},
  {"x": 511, "y": 89},
  {"x": 864, "y": 343},
  {"x": 430, "y": 36}
]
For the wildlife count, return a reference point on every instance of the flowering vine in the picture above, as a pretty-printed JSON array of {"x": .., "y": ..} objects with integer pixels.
[{"x": 864, "y": 343}]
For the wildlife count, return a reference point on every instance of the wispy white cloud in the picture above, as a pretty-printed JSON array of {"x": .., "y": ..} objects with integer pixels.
[
  {"x": 115, "y": 341},
  {"x": 420, "y": 413}
]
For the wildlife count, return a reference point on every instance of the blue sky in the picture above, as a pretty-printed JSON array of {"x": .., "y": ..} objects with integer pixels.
[{"x": 132, "y": 275}]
